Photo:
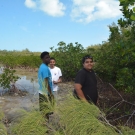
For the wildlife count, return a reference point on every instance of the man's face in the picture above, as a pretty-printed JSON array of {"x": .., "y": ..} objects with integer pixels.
[
  {"x": 88, "y": 64},
  {"x": 46, "y": 59},
  {"x": 52, "y": 63}
]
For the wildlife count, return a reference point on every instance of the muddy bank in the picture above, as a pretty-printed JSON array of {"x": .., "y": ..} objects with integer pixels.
[{"x": 10, "y": 104}]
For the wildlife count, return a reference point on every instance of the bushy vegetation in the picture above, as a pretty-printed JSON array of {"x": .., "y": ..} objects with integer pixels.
[
  {"x": 116, "y": 57},
  {"x": 23, "y": 58},
  {"x": 8, "y": 79},
  {"x": 68, "y": 58}
]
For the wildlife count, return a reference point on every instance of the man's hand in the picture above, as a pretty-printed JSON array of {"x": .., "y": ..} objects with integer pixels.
[
  {"x": 59, "y": 81},
  {"x": 98, "y": 102},
  {"x": 55, "y": 82}
]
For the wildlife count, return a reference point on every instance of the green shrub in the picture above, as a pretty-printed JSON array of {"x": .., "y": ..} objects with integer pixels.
[
  {"x": 8, "y": 78},
  {"x": 116, "y": 58},
  {"x": 68, "y": 58}
]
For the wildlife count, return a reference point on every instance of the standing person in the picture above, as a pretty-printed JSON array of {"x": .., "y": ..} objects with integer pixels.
[
  {"x": 85, "y": 87},
  {"x": 45, "y": 81},
  {"x": 56, "y": 76}
]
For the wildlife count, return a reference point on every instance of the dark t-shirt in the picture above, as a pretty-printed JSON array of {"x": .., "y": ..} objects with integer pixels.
[{"x": 89, "y": 84}]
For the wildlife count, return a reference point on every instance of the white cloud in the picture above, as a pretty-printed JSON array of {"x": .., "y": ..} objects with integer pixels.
[
  {"x": 89, "y": 10},
  {"x": 30, "y": 4},
  {"x": 51, "y": 7}
]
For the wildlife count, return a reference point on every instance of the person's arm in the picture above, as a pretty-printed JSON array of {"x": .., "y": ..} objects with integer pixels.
[
  {"x": 78, "y": 89},
  {"x": 60, "y": 77},
  {"x": 48, "y": 86},
  {"x": 45, "y": 74},
  {"x": 59, "y": 81},
  {"x": 79, "y": 82}
]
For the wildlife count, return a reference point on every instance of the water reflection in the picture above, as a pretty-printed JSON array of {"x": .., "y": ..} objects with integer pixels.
[
  {"x": 1, "y": 71},
  {"x": 29, "y": 85},
  {"x": 25, "y": 84}
]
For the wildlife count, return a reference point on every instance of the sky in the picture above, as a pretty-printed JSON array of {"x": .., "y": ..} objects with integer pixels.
[{"x": 41, "y": 24}]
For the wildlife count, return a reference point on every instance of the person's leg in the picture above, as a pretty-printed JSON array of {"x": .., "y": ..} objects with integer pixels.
[
  {"x": 42, "y": 99},
  {"x": 55, "y": 97},
  {"x": 42, "y": 106}
]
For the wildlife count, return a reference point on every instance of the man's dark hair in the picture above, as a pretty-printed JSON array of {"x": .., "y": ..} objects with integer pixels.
[
  {"x": 52, "y": 58},
  {"x": 43, "y": 54},
  {"x": 86, "y": 57}
]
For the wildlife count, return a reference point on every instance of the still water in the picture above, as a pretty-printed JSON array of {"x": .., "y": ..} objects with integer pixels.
[{"x": 25, "y": 83}]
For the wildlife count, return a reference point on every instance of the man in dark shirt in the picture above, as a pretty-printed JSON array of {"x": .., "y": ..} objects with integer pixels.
[{"x": 85, "y": 82}]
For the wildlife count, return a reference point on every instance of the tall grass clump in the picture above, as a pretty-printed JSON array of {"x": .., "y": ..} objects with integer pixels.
[
  {"x": 71, "y": 117},
  {"x": 81, "y": 118},
  {"x": 32, "y": 123}
]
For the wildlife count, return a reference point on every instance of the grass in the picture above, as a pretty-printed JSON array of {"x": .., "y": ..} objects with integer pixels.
[
  {"x": 3, "y": 130},
  {"x": 32, "y": 123},
  {"x": 24, "y": 72},
  {"x": 80, "y": 118},
  {"x": 71, "y": 117},
  {"x": 127, "y": 131}
]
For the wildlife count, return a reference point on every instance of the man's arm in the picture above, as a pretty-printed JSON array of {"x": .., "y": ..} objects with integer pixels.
[
  {"x": 59, "y": 81},
  {"x": 60, "y": 77},
  {"x": 78, "y": 89},
  {"x": 48, "y": 86}
]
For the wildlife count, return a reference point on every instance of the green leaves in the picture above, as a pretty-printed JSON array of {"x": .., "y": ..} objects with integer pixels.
[
  {"x": 132, "y": 17},
  {"x": 68, "y": 58},
  {"x": 128, "y": 10},
  {"x": 115, "y": 61},
  {"x": 7, "y": 78},
  {"x": 133, "y": 9}
]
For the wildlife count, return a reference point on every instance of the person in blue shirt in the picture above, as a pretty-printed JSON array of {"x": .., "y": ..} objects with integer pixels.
[{"x": 45, "y": 81}]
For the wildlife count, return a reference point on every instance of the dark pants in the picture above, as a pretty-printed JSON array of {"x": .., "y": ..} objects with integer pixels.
[{"x": 44, "y": 104}]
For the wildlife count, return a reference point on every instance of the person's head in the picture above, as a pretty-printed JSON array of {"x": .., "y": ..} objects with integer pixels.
[
  {"x": 45, "y": 57},
  {"x": 52, "y": 62},
  {"x": 87, "y": 62}
]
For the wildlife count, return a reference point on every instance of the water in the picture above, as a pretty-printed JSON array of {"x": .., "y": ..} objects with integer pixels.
[
  {"x": 1, "y": 70},
  {"x": 25, "y": 83}
]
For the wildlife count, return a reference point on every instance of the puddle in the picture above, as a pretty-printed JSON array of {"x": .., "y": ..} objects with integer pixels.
[{"x": 25, "y": 83}]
